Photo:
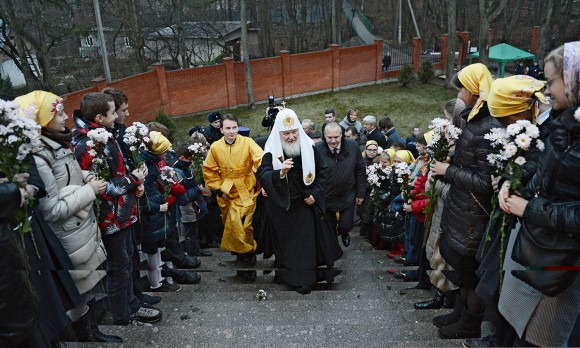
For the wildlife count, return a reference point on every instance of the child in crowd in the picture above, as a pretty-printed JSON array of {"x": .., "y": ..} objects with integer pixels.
[{"x": 192, "y": 212}]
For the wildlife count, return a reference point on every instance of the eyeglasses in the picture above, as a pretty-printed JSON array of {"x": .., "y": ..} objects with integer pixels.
[
  {"x": 550, "y": 82},
  {"x": 372, "y": 150}
]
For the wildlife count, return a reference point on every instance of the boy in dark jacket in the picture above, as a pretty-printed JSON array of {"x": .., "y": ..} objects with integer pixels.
[{"x": 117, "y": 208}]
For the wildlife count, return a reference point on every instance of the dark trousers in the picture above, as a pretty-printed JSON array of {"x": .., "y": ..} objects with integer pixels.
[
  {"x": 122, "y": 300},
  {"x": 172, "y": 246},
  {"x": 136, "y": 261},
  {"x": 345, "y": 222},
  {"x": 191, "y": 238},
  {"x": 411, "y": 250}
]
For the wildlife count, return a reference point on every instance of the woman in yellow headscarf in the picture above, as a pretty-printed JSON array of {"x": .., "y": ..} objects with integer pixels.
[
  {"x": 468, "y": 206},
  {"x": 67, "y": 206}
]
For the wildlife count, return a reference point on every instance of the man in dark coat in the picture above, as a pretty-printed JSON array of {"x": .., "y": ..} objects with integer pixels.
[
  {"x": 212, "y": 131},
  {"x": 372, "y": 132},
  {"x": 346, "y": 183},
  {"x": 293, "y": 176}
]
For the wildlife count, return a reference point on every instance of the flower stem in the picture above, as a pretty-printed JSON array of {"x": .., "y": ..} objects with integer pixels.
[{"x": 501, "y": 252}]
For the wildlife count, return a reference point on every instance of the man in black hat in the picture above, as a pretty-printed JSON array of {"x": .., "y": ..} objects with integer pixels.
[{"x": 212, "y": 131}]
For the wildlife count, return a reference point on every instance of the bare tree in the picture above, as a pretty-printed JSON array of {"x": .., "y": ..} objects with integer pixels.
[
  {"x": 511, "y": 19},
  {"x": 245, "y": 55},
  {"x": 546, "y": 25},
  {"x": 488, "y": 12},
  {"x": 451, "y": 41}
]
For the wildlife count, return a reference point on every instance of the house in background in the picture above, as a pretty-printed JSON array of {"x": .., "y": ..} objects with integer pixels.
[
  {"x": 90, "y": 43},
  {"x": 203, "y": 42}
]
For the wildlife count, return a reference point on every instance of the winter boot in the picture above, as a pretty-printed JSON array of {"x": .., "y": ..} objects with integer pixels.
[
  {"x": 446, "y": 319},
  {"x": 434, "y": 303},
  {"x": 82, "y": 328},
  {"x": 98, "y": 336},
  {"x": 468, "y": 326}
]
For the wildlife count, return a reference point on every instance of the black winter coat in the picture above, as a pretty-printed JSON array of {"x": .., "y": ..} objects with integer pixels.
[
  {"x": 556, "y": 180},
  {"x": 346, "y": 175},
  {"x": 468, "y": 204},
  {"x": 377, "y": 136}
]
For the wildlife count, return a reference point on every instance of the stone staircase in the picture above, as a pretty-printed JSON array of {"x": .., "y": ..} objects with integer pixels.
[{"x": 365, "y": 307}]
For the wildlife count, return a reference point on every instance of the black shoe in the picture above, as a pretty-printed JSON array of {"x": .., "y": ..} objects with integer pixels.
[
  {"x": 450, "y": 318},
  {"x": 467, "y": 326},
  {"x": 399, "y": 275},
  {"x": 166, "y": 287},
  {"x": 357, "y": 222},
  {"x": 345, "y": 239},
  {"x": 202, "y": 252},
  {"x": 250, "y": 275},
  {"x": 151, "y": 299},
  {"x": 185, "y": 277},
  {"x": 88, "y": 331},
  {"x": 399, "y": 259},
  {"x": 434, "y": 303},
  {"x": 250, "y": 259},
  {"x": 191, "y": 262},
  {"x": 304, "y": 290}
]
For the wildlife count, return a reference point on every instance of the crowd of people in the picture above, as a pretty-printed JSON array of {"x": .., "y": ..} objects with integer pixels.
[{"x": 108, "y": 190}]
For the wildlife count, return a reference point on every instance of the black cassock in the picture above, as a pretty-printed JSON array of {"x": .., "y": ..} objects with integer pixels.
[{"x": 304, "y": 240}]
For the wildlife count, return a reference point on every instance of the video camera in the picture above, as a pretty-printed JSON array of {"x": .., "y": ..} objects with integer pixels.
[{"x": 271, "y": 111}]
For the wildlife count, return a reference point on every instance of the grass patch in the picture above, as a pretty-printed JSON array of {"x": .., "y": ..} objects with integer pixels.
[{"x": 414, "y": 105}]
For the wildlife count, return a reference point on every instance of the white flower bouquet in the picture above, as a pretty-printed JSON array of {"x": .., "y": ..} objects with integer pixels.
[
  {"x": 136, "y": 137},
  {"x": 507, "y": 158},
  {"x": 97, "y": 143},
  {"x": 198, "y": 152},
  {"x": 403, "y": 178},
  {"x": 19, "y": 135},
  {"x": 444, "y": 136},
  {"x": 261, "y": 295}
]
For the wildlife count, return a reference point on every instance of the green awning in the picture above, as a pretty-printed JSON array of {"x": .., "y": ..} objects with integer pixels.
[{"x": 505, "y": 53}]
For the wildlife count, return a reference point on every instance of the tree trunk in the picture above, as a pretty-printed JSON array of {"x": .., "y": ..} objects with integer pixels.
[
  {"x": 545, "y": 31},
  {"x": 266, "y": 28},
  {"x": 510, "y": 22},
  {"x": 488, "y": 12},
  {"x": 32, "y": 82},
  {"x": 245, "y": 54},
  {"x": 137, "y": 37},
  {"x": 44, "y": 59},
  {"x": 451, "y": 42}
]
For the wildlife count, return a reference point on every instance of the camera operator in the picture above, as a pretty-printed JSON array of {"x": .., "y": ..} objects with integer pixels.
[{"x": 271, "y": 112}]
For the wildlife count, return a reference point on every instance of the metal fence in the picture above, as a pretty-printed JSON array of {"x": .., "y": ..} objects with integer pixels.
[{"x": 401, "y": 55}]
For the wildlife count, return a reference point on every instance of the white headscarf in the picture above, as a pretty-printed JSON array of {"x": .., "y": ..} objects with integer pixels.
[{"x": 287, "y": 120}]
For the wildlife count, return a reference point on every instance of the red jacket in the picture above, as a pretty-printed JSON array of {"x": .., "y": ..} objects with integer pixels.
[{"x": 418, "y": 199}]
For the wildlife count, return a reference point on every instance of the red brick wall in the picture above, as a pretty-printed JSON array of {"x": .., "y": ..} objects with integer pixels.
[{"x": 188, "y": 91}]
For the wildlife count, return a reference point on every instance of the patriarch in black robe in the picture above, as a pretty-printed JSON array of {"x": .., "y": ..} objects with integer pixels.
[{"x": 293, "y": 177}]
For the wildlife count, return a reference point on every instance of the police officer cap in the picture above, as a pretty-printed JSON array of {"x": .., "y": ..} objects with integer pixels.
[{"x": 214, "y": 116}]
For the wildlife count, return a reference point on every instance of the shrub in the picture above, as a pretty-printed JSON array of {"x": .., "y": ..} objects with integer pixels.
[
  {"x": 426, "y": 71},
  {"x": 406, "y": 75},
  {"x": 166, "y": 120},
  {"x": 7, "y": 91}
]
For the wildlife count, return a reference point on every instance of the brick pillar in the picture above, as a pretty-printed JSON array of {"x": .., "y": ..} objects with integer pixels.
[
  {"x": 535, "y": 44},
  {"x": 99, "y": 83},
  {"x": 379, "y": 57},
  {"x": 463, "y": 40},
  {"x": 444, "y": 45},
  {"x": 335, "y": 49},
  {"x": 286, "y": 73},
  {"x": 416, "y": 55},
  {"x": 230, "y": 81},
  {"x": 159, "y": 69},
  {"x": 489, "y": 37}
]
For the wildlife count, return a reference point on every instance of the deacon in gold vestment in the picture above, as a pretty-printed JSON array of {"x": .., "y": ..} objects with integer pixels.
[{"x": 229, "y": 169}]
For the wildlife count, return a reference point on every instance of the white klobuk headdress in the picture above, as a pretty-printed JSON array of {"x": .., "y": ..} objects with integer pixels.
[{"x": 287, "y": 120}]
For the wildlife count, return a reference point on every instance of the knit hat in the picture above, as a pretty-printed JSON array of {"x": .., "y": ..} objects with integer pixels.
[
  {"x": 514, "y": 94},
  {"x": 42, "y": 105},
  {"x": 159, "y": 143},
  {"x": 214, "y": 116},
  {"x": 477, "y": 79}
]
